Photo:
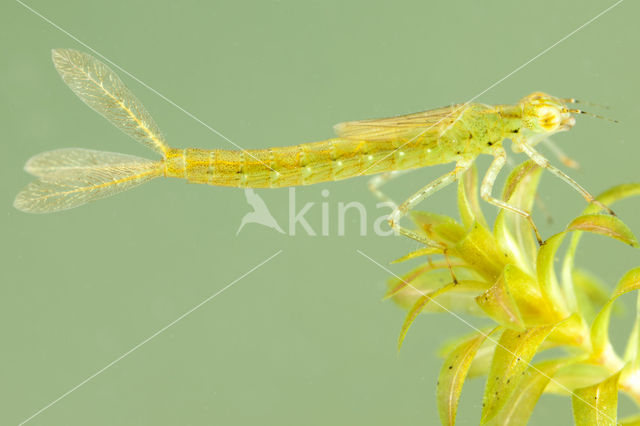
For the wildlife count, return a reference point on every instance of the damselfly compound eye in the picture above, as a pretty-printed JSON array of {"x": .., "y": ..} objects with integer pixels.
[{"x": 549, "y": 118}]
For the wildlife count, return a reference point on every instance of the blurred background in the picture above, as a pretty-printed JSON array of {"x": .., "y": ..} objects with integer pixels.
[{"x": 304, "y": 339}]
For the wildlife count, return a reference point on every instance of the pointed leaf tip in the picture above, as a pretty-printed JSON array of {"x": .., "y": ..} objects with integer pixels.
[
  {"x": 453, "y": 374},
  {"x": 604, "y": 224}
]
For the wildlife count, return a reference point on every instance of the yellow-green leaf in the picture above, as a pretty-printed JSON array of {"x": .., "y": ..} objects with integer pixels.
[
  {"x": 520, "y": 187},
  {"x": 511, "y": 358},
  {"x": 460, "y": 286},
  {"x": 632, "y": 351},
  {"x": 480, "y": 250},
  {"x": 533, "y": 306},
  {"x": 597, "y": 405},
  {"x": 453, "y": 374},
  {"x": 438, "y": 227},
  {"x": 573, "y": 331},
  {"x": 608, "y": 197},
  {"x": 617, "y": 193},
  {"x": 604, "y": 224},
  {"x": 408, "y": 280},
  {"x": 482, "y": 362},
  {"x": 600, "y": 327},
  {"x": 629, "y": 282},
  {"x": 406, "y": 291},
  {"x": 547, "y": 276},
  {"x": 425, "y": 251},
  {"x": 498, "y": 303},
  {"x": 468, "y": 205},
  {"x": 577, "y": 375},
  {"x": 513, "y": 232},
  {"x": 526, "y": 394}
]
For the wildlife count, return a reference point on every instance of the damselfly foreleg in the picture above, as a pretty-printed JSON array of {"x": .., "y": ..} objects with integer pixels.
[{"x": 540, "y": 160}]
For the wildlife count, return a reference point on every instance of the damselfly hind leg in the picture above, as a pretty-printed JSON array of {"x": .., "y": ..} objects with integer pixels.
[
  {"x": 401, "y": 211},
  {"x": 378, "y": 180}
]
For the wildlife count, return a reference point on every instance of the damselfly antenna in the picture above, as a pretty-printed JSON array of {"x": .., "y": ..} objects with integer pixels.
[
  {"x": 602, "y": 117},
  {"x": 578, "y": 101}
]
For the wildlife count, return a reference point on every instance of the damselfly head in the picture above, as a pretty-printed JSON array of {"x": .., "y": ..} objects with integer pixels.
[{"x": 542, "y": 113}]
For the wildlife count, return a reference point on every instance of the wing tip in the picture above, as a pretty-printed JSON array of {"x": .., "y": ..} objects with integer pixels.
[
  {"x": 60, "y": 58},
  {"x": 29, "y": 165},
  {"x": 33, "y": 200},
  {"x": 63, "y": 58},
  {"x": 23, "y": 202},
  {"x": 339, "y": 128},
  {"x": 57, "y": 53}
]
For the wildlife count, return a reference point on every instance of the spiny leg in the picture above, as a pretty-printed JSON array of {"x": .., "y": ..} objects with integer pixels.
[
  {"x": 500, "y": 158},
  {"x": 543, "y": 162},
  {"x": 400, "y": 211}
]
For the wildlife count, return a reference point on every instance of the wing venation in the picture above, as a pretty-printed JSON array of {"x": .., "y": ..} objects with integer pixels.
[
  {"x": 71, "y": 177},
  {"x": 100, "y": 88},
  {"x": 403, "y": 127}
]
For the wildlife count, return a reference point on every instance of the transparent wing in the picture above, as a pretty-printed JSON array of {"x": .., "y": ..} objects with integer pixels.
[
  {"x": 100, "y": 88},
  {"x": 401, "y": 127},
  {"x": 72, "y": 177},
  {"x": 73, "y": 160}
]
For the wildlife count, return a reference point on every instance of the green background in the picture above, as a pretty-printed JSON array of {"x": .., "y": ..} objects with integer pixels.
[{"x": 305, "y": 339}]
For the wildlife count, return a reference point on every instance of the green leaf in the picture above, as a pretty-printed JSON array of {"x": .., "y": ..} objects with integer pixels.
[
  {"x": 498, "y": 303},
  {"x": 511, "y": 358},
  {"x": 608, "y": 197},
  {"x": 547, "y": 276},
  {"x": 629, "y": 282},
  {"x": 614, "y": 194},
  {"x": 482, "y": 362},
  {"x": 468, "y": 205},
  {"x": 600, "y": 327},
  {"x": 577, "y": 375},
  {"x": 438, "y": 227},
  {"x": 425, "y": 251},
  {"x": 410, "y": 279},
  {"x": 480, "y": 250},
  {"x": 526, "y": 394},
  {"x": 572, "y": 331},
  {"x": 512, "y": 231},
  {"x": 604, "y": 224},
  {"x": 453, "y": 374},
  {"x": 460, "y": 286},
  {"x": 597, "y": 405},
  {"x": 407, "y": 292},
  {"x": 533, "y": 306},
  {"x": 632, "y": 351}
]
